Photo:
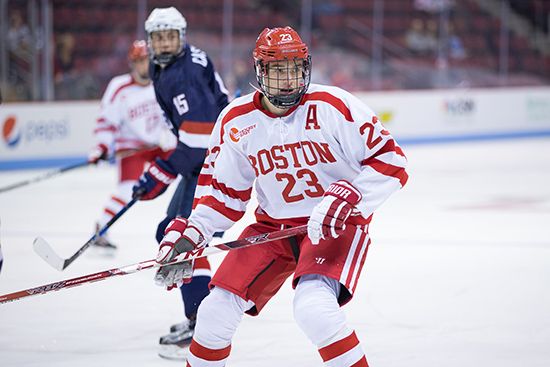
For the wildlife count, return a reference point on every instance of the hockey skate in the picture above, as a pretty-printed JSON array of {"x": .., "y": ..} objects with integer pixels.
[
  {"x": 180, "y": 326},
  {"x": 102, "y": 246},
  {"x": 175, "y": 345}
]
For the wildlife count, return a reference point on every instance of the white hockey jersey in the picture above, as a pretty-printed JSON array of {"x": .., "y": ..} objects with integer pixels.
[
  {"x": 292, "y": 159},
  {"x": 130, "y": 117}
]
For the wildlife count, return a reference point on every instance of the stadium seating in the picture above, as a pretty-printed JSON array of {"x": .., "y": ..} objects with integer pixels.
[{"x": 103, "y": 29}]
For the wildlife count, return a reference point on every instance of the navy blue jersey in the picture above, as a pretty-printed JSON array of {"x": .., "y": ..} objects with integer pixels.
[{"x": 191, "y": 94}]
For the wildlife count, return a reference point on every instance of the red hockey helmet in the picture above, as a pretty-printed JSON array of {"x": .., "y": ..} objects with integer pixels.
[
  {"x": 138, "y": 50},
  {"x": 284, "y": 48}
]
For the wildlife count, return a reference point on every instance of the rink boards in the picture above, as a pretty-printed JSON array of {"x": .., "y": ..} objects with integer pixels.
[{"x": 38, "y": 135}]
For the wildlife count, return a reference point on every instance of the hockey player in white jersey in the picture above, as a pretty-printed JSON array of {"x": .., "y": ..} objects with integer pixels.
[
  {"x": 316, "y": 155},
  {"x": 130, "y": 126}
]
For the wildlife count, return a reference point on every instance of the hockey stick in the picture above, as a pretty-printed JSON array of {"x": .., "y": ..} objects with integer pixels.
[
  {"x": 45, "y": 251},
  {"x": 59, "y": 171},
  {"x": 44, "y": 176},
  {"x": 130, "y": 269}
]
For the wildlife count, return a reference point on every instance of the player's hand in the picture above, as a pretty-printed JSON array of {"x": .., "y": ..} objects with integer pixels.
[
  {"x": 179, "y": 237},
  {"x": 98, "y": 153},
  {"x": 328, "y": 218},
  {"x": 154, "y": 181}
]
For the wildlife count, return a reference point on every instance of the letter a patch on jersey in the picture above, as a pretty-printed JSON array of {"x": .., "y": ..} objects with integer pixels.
[{"x": 311, "y": 119}]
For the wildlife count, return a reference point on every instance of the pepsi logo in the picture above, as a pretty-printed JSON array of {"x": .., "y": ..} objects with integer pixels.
[{"x": 11, "y": 132}]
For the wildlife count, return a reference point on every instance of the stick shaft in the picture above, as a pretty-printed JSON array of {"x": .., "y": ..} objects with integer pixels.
[
  {"x": 100, "y": 233},
  {"x": 56, "y": 172},
  {"x": 44, "y": 176},
  {"x": 148, "y": 264},
  {"x": 46, "y": 252}
]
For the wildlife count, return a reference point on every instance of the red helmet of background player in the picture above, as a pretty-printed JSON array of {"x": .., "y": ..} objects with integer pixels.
[
  {"x": 282, "y": 45},
  {"x": 138, "y": 50}
]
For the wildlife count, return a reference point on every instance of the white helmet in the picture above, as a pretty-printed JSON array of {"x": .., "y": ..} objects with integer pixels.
[{"x": 162, "y": 19}]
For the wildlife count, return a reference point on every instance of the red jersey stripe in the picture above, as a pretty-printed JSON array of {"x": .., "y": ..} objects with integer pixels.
[
  {"x": 131, "y": 141},
  {"x": 197, "y": 127},
  {"x": 243, "y": 195},
  {"x": 106, "y": 128},
  {"x": 390, "y": 146},
  {"x": 330, "y": 99},
  {"x": 220, "y": 207},
  {"x": 235, "y": 112},
  {"x": 361, "y": 363},
  {"x": 338, "y": 348},
  {"x": 387, "y": 170},
  {"x": 204, "y": 180},
  {"x": 261, "y": 216},
  {"x": 201, "y": 263}
]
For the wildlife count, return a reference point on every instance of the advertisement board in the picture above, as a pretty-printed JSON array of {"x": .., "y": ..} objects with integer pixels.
[
  {"x": 461, "y": 114},
  {"x": 61, "y": 133},
  {"x": 38, "y": 133}
]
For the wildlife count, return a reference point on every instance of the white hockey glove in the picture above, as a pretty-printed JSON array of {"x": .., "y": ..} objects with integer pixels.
[
  {"x": 328, "y": 218},
  {"x": 179, "y": 237},
  {"x": 98, "y": 153}
]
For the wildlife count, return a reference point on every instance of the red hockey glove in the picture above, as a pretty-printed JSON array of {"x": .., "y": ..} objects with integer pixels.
[
  {"x": 328, "y": 218},
  {"x": 98, "y": 153},
  {"x": 154, "y": 181},
  {"x": 179, "y": 237}
]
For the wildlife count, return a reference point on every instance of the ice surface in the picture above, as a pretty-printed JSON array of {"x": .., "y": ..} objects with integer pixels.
[{"x": 458, "y": 273}]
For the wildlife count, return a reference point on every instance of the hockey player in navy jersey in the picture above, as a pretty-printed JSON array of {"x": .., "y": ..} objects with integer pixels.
[{"x": 191, "y": 94}]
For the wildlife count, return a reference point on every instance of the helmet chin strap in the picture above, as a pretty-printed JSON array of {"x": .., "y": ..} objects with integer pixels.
[
  {"x": 283, "y": 101},
  {"x": 271, "y": 107},
  {"x": 165, "y": 59}
]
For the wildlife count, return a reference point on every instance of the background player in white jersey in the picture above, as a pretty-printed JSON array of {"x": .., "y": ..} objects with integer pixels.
[
  {"x": 131, "y": 126},
  {"x": 317, "y": 156}
]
